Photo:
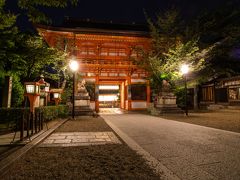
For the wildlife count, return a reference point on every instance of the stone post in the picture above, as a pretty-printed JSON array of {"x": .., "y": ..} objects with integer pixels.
[{"x": 7, "y": 92}]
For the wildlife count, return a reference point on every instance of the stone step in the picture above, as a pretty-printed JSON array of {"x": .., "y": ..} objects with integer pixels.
[
  {"x": 82, "y": 94},
  {"x": 82, "y": 98},
  {"x": 169, "y": 110},
  {"x": 234, "y": 107},
  {"x": 82, "y": 91},
  {"x": 80, "y": 108},
  {"x": 84, "y": 113},
  {"x": 216, "y": 107}
]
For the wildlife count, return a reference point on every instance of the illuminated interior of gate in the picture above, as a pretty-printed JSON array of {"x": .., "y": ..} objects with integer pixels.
[{"x": 105, "y": 57}]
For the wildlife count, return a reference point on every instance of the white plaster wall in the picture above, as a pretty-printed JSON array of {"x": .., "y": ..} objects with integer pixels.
[
  {"x": 139, "y": 105},
  {"x": 92, "y": 105}
]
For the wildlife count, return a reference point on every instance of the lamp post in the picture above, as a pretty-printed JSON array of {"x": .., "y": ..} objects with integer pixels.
[
  {"x": 32, "y": 91},
  {"x": 74, "y": 67},
  {"x": 184, "y": 70}
]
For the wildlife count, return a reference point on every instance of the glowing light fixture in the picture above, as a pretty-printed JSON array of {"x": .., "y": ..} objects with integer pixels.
[
  {"x": 74, "y": 65},
  {"x": 108, "y": 98},
  {"x": 184, "y": 69},
  {"x": 109, "y": 87},
  {"x": 56, "y": 95},
  {"x": 32, "y": 91},
  {"x": 31, "y": 88}
]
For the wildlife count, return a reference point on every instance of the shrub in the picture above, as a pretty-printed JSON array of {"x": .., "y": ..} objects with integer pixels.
[
  {"x": 180, "y": 93},
  {"x": 10, "y": 118},
  {"x": 52, "y": 112}
]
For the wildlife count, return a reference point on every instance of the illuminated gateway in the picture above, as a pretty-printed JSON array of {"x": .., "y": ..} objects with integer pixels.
[{"x": 105, "y": 53}]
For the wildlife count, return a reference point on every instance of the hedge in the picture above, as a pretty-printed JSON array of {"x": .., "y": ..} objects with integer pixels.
[
  {"x": 53, "y": 112},
  {"x": 10, "y": 117}
]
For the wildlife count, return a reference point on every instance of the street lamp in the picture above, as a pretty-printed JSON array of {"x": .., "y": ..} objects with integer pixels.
[
  {"x": 74, "y": 67},
  {"x": 184, "y": 70}
]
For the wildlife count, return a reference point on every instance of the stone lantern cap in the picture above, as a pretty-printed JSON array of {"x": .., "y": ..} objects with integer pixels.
[{"x": 43, "y": 83}]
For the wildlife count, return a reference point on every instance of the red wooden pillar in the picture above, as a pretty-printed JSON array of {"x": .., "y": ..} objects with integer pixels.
[
  {"x": 125, "y": 94},
  {"x": 129, "y": 96},
  {"x": 97, "y": 94},
  {"x": 148, "y": 93},
  {"x": 122, "y": 95}
]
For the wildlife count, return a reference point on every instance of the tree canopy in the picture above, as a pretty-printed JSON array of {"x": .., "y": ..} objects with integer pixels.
[
  {"x": 170, "y": 49},
  {"x": 204, "y": 44},
  {"x": 25, "y": 56}
]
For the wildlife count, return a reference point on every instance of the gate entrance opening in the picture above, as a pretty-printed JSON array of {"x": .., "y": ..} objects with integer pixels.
[{"x": 109, "y": 96}]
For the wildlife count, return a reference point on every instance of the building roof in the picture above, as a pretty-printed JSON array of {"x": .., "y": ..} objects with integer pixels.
[{"x": 96, "y": 27}]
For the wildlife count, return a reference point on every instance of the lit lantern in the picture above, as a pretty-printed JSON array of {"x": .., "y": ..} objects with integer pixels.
[
  {"x": 56, "y": 95},
  {"x": 32, "y": 88},
  {"x": 32, "y": 91}
]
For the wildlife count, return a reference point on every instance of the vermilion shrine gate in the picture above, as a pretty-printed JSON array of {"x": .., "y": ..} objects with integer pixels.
[{"x": 105, "y": 54}]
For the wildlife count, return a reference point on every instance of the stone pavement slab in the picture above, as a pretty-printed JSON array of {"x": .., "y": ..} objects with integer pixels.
[
  {"x": 189, "y": 151},
  {"x": 79, "y": 139}
]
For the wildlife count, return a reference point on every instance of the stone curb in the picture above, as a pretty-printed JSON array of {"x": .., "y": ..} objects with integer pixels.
[
  {"x": 6, "y": 162},
  {"x": 162, "y": 170}
]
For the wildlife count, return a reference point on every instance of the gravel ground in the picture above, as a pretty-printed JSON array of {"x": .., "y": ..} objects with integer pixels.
[
  {"x": 89, "y": 162},
  {"x": 225, "y": 119}
]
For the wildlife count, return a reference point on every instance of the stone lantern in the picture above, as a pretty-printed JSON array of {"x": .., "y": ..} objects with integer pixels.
[
  {"x": 32, "y": 91},
  {"x": 56, "y": 95},
  {"x": 44, "y": 91}
]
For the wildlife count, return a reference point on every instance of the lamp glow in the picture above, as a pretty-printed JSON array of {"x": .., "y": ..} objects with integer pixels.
[
  {"x": 73, "y": 65},
  {"x": 56, "y": 95},
  {"x": 47, "y": 88},
  {"x": 184, "y": 69},
  {"x": 30, "y": 88}
]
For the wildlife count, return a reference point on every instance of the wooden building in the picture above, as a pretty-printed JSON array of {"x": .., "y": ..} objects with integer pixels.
[
  {"x": 222, "y": 92},
  {"x": 105, "y": 53}
]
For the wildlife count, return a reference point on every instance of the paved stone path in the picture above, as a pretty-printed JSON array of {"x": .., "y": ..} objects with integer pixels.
[
  {"x": 189, "y": 151},
  {"x": 79, "y": 139}
]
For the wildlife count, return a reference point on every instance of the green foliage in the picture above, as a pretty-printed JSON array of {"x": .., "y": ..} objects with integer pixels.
[
  {"x": 66, "y": 93},
  {"x": 7, "y": 20},
  {"x": 11, "y": 117},
  {"x": 34, "y": 57},
  {"x": 8, "y": 31},
  {"x": 170, "y": 49},
  {"x": 17, "y": 91},
  {"x": 180, "y": 94},
  {"x": 221, "y": 26},
  {"x": 53, "y": 112},
  {"x": 204, "y": 45},
  {"x": 26, "y": 56}
]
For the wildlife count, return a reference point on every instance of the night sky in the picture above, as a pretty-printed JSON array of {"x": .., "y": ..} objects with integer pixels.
[{"x": 124, "y": 11}]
